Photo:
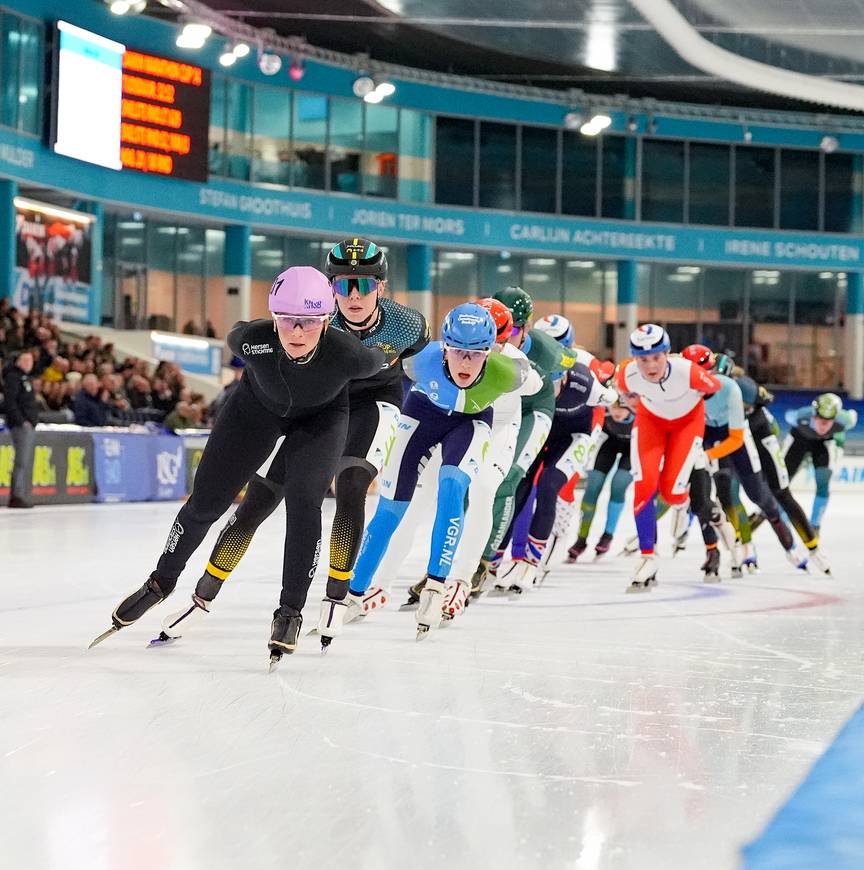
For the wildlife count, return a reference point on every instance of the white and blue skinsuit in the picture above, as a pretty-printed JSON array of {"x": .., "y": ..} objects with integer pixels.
[{"x": 436, "y": 412}]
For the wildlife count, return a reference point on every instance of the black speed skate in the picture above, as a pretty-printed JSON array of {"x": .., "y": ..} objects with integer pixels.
[
  {"x": 284, "y": 633},
  {"x": 577, "y": 550},
  {"x": 134, "y": 606},
  {"x": 602, "y": 547},
  {"x": 413, "y": 595},
  {"x": 711, "y": 566}
]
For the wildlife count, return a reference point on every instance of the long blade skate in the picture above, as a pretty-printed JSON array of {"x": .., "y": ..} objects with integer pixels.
[
  {"x": 275, "y": 658},
  {"x": 104, "y": 636},
  {"x": 162, "y": 640}
]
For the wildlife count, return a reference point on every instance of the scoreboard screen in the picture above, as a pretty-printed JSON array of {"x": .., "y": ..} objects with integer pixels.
[
  {"x": 165, "y": 116},
  {"x": 125, "y": 109}
]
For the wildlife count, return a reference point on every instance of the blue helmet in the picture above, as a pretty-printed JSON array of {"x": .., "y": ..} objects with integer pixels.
[
  {"x": 649, "y": 338},
  {"x": 556, "y": 326},
  {"x": 469, "y": 327}
]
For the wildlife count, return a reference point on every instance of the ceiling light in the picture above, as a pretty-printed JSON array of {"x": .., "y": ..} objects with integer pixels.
[
  {"x": 362, "y": 86},
  {"x": 386, "y": 89},
  {"x": 829, "y": 144},
  {"x": 240, "y": 50},
  {"x": 269, "y": 64},
  {"x": 297, "y": 70},
  {"x": 595, "y": 125},
  {"x": 373, "y": 97},
  {"x": 120, "y": 7},
  {"x": 227, "y": 58},
  {"x": 193, "y": 35},
  {"x": 573, "y": 120}
]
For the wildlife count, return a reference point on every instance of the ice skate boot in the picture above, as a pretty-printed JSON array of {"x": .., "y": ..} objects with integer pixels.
[
  {"x": 284, "y": 632},
  {"x": 711, "y": 566},
  {"x": 796, "y": 560},
  {"x": 359, "y": 606},
  {"x": 749, "y": 559},
  {"x": 330, "y": 621},
  {"x": 455, "y": 599},
  {"x": 726, "y": 532},
  {"x": 429, "y": 607},
  {"x": 134, "y": 606},
  {"x": 414, "y": 595},
  {"x": 602, "y": 547},
  {"x": 680, "y": 527},
  {"x": 756, "y": 519},
  {"x": 179, "y": 623},
  {"x": 523, "y": 578},
  {"x": 577, "y": 550},
  {"x": 478, "y": 581},
  {"x": 631, "y": 547},
  {"x": 818, "y": 561},
  {"x": 645, "y": 576}
]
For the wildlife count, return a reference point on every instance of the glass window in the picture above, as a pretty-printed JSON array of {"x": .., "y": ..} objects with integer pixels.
[
  {"x": 218, "y": 162},
  {"x": 346, "y": 144},
  {"x": 498, "y": 271},
  {"x": 539, "y": 168},
  {"x": 709, "y": 184},
  {"x": 271, "y": 154},
  {"x": 754, "y": 187},
  {"x": 770, "y": 308},
  {"x": 583, "y": 302},
  {"x": 9, "y": 58},
  {"x": 268, "y": 256},
  {"x": 381, "y": 151},
  {"x": 579, "y": 174},
  {"x": 189, "y": 304},
  {"x": 614, "y": 175},
  {"x": 214, "y": 281},
  {"x": 723, "y": 304},
  {"x": 238, "y": 133},
  {"x": 840, "y": 214},
  {"x": 799, "y": 190},
  {"x": 676, "y": 301},
  {"x": 663, "y": 181},
  {"x": 454, "y": 161},
  {"x": 29, "y": 97},
  {"x": 497, "y": 166},
  {"x": 415, "y": 156},
  {"x": 455, "y": 281},
  {"x": 310, "y": 140},
  {"x": 816, "y": 350},
  {"x": 541, "y": 277}
]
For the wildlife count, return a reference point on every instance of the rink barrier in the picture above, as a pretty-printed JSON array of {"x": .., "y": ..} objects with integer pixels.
[
  {"x": 822, "y": 824},
  {"x": 74, "y": 465}
]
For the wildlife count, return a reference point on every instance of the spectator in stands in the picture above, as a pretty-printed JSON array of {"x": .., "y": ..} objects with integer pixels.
[
  {"x": 182, "y": 417},
  {"x": 112, "y": 389},
  {"x": 57, "y": 371},
  {"x": 163, "y": 397},
  {"x": 90, "y": 405},
  {"x": 190, "y": 328},
  {"x": 138, "y": 390},
  {"x": 22, "y": 415},
  {"x": 210, "y": 330}
]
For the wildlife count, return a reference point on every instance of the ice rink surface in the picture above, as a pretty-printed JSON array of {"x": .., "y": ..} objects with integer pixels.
[{"x": 576, "y": 728}]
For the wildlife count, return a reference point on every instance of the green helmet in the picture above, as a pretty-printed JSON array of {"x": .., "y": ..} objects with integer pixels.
[
  {"x": 724, "y": 364},
  {"x": 827, "y": 406},
  {"x": 521, "y": 305}
]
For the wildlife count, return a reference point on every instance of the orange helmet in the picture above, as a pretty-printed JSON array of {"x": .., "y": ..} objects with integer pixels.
[
  {"x": 501, "y": 315},
  {"x": 700, "y": 354}
]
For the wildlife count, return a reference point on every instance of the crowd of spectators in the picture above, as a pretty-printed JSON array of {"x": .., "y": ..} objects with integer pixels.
[{"x": 82, "y": 380}]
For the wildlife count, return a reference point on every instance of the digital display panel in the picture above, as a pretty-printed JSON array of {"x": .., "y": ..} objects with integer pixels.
[
  {"x": 89, "y": 80},
  {"x": 124, "y": 109},
  {"x": 165, "y": 113}
]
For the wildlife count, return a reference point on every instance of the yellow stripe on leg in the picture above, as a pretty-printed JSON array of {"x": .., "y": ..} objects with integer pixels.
[
  {"x": 336, "y": 574},
  {"x": 218, "y": 573}
]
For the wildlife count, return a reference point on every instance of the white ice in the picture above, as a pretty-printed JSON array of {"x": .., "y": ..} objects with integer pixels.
[{"x": 576, "y": 728}]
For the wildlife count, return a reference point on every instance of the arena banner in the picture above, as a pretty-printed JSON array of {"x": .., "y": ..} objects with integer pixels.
[
  {"x": 320, "y": 213},
  {"x": 168, "y": 467},
  {"x": 194, "y": 447},
  {"x": 52, "y": 260},
  {"x": 122, "y": 461},
  {"x": 63, "y": 467}
]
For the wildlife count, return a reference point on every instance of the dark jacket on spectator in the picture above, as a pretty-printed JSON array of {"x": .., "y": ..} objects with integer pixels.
[
  {"x": 90, "y": 410},
  {"x": 20, "y": 402}
]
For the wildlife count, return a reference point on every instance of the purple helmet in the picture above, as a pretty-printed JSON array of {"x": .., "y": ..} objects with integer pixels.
[{"x": 301, "y": 290}]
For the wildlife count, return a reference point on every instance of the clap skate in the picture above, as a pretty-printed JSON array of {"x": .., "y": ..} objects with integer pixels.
[
  {"x": 645, "y": 576},
  {"x": 711, "y": 566},
  {"x": 284, "y": 633},
  {"x": 429, "y": 607},
  {"x": 602, "y": 547}
]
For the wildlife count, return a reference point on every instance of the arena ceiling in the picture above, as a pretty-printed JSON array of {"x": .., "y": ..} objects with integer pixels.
[{"x": 601, "y": 46}]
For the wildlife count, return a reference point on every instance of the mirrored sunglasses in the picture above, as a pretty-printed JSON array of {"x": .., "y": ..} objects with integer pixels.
[
  {"x": 363, "y": 284},
  {"x": 307, "y": 324}
]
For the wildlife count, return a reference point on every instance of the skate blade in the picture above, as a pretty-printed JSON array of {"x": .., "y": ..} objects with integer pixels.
[
  {"x": 737, "y": 573},
  {"x": 711, "y": 578},
  {"x": 274, "y": 663},
  {"x": 409, "y": 605},
  {"x": 636, "y": 588},
  {"x": 104, "y": 636},
  {"x": 325, "y": 644},
  {"x": 422, "y": 632},
  {"x": 162, "y": 640},
  {"x": 599, "y": 556}
]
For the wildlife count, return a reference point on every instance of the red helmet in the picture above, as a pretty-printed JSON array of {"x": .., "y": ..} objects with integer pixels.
[
  {"x": 699, "y": 354},
  {"x": 605, "y": 371},
  {"x": 501, "y": 315}
]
